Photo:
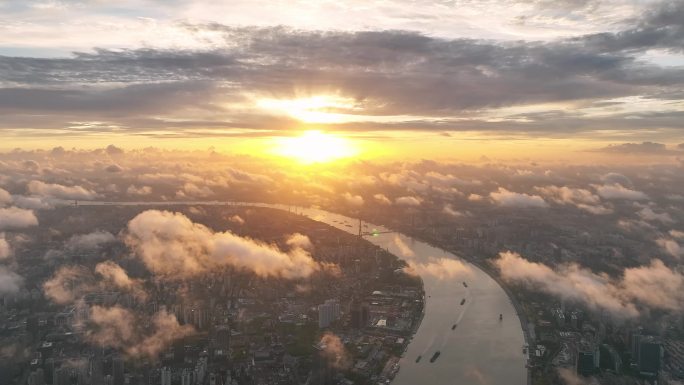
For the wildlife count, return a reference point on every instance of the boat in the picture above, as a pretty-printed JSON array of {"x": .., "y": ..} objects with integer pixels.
[
  {"x": 462, "y": 301},
  {"x": 500, "y": 317},
  {"x": 465, "y": 284},
  {"x": 454, "y": 327},
  {"x": 418, "y": 359},
  {"x": 435, "y": 356}
]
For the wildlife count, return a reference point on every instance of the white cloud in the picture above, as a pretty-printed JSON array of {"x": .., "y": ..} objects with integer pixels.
[
  {"x": 173, "y": 246},
  {"x": 16, "y": 218},
  {"x": 59, "y": 191},
  {"x": 654, "y": 285},
  {"x": 353, "y": 200},
  {"x": 408, "y": 201},
  {"x": 506, "y": 198},
  {"x": 619, "y": 192}
]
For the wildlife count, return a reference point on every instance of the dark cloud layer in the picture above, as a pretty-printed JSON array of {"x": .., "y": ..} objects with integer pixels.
[{"x": 443, "y": 84}]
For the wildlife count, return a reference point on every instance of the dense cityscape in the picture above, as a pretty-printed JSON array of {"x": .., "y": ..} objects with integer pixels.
[{"x": 356, "y": 192}]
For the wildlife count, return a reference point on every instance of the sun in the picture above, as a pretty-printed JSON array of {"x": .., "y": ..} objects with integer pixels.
[{"x": 315, "y": 147}]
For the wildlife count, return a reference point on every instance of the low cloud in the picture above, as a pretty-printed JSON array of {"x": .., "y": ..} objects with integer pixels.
[
  {"x": 404, "y": 249},
  {"x": 382, "y": 199},
  {"x": 353, "y": 200},
  {"x": 118, "y": 328},
  {"x": 439, "y": 268},
  {"x": 139, "y": 191},
  {"x": 69, "y": 284},
  {"x": 58, "y": 191},
  {"x": 643, "y": 148},
  {"x": 5, "y": 197},
  {"x": 617, "y": 191},
  {"x": 10, "y": 282},
  {"x": 652, "y": 286},
  {"x": 5, "y": 249},
  {"x": 113, "y": 168},
  {"x": 506, "y": 198},
  {"x": 171, "y": 245},
  {"x": 449, "y": 210},
  {"x": 90, "y": 241},
  {"x": 408, "y": 201},
  {"x": 117, "y": 276},
  {"x": 237, "y": 219},
  {"x": 647, "y": 214},
  {"x": 298, "y": 240},
  {"x": 334, "y": 352},
  {"x": 16, "y": 218},
  {"x": 581, "y": 198}
]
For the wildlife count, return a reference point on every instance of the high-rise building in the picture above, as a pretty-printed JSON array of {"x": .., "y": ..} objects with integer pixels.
[
  {"x": 166, "y": 376},
  {"x": 36, "y": 377},
  {"x": 588, "y": 359},
  {"x": 118, "y": 370},
  {"x": 328, "y": 312},
  {"x": 650, "y": 356},
  {"x": 360, "y": 315}
]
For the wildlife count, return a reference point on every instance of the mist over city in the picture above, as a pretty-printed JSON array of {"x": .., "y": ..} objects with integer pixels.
[{"x": 339, "y": 193}]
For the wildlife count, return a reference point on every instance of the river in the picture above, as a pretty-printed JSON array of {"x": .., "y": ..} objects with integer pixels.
[{"x": 482, "y": 349}]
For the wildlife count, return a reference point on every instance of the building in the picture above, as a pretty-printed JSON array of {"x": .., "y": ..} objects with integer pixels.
[
  {"x": 588, "y": 359},
  {"x": 166, "y": 376},
  {"x": 360, "y": 315},
  {"x": 328, "y": 313},
  {"x": 650, "y": 356},
  {"x": 118, "y": 370}
]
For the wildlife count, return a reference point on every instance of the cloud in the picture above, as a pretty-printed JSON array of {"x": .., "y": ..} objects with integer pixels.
[
  {"x": 645, "y": 148},
  {"x": 113, "y": 168},
  {"x": 5, "y": 197},
  {"x": 616, "y": 178},
  {"x": 15, "y": 218},
  {"x": 408, "y": 201},
  {"x": 647, "y": 214},
  {"x": 449, "y": 210},
  {"x": 382, "y": 199},
  {"x": 191, "y": 190},
  {"x": 59, "y": 191},
  {"x": 353, "y": 200},
  {"x": 404, "y": 249},
  {"x": 5, "y": 249},
  {"x": 31, "y": 203},
  {"x": 171, "y": 245},
  {"x": 569, "y": 377},
  {"x": 118, "y": 328},
  {"x": 581, "y": 198},
  {"x": 142, "y": 190},
  {"x": 113, "y": 150},
  {"x": 506, "y": 198},
  {"x": 68, "y": 284},
  {"x": 10, "y": 282},
  {"x": 298, "y": 240},
  {"x": 91, "y": 240},
  {"x": 237, "y": 219},
  {"x": 671, "y": 246},
  {"x": 439, "y": 268},
  {"x": 333, "y": 350},
  {"x": 114, "y": 274},
  {"x": 619, "y": 192},
  {"x": 654, "y": 285}
]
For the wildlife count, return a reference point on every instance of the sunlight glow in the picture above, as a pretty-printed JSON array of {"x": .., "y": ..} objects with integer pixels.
[
  {"x": 315, "y": 147},
  {"x": 315, "y": 109}
]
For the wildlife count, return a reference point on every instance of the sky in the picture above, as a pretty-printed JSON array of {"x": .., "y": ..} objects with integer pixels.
[{"x": 556, "y": 80}]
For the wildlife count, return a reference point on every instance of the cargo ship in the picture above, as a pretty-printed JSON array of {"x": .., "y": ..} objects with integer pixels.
[{"x": 435, "y": 356}]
